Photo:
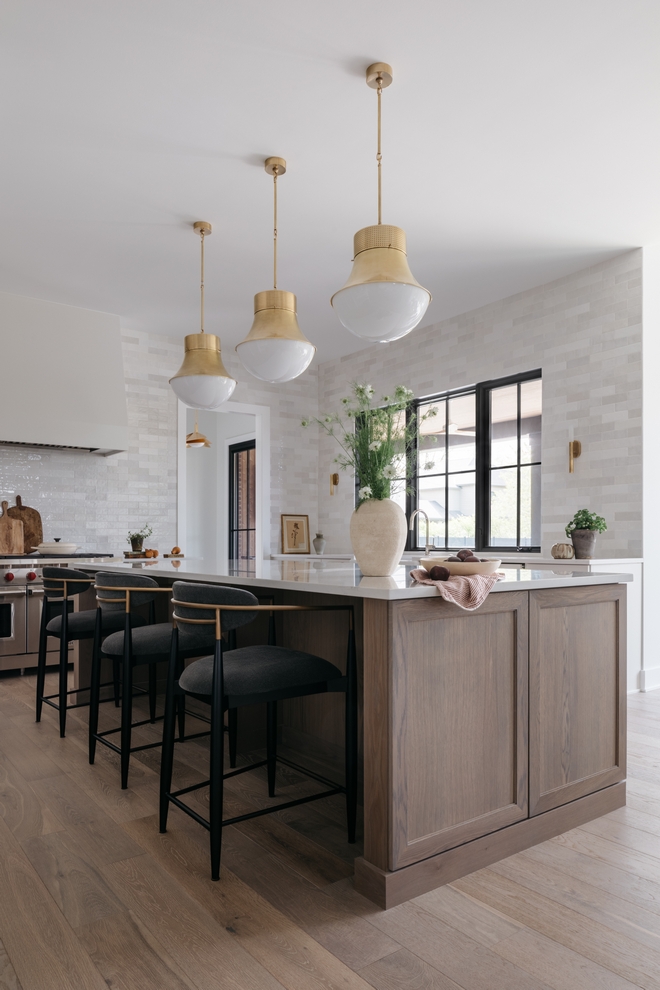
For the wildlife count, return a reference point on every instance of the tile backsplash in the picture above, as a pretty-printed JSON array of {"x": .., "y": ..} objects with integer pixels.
[
  {"x": 583, "y": 330},
  {"x": 92, "y": 500}
]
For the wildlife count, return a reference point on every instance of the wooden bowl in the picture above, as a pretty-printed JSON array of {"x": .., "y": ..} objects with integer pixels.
[{"x": 460, "y": 566}]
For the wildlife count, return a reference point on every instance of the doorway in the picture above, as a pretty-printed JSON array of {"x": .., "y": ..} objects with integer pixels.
[
  {"x": 242, "y": 500},
  {"x": 223, "y": 491}
]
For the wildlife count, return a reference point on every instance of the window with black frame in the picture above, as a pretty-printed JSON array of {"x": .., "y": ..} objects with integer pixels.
[
  {"x": 476, "y": 467},
  {"x": 242, "y": 500}
]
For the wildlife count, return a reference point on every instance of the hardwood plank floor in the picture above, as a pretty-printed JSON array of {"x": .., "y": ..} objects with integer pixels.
[{"x": 91, "y": 895}]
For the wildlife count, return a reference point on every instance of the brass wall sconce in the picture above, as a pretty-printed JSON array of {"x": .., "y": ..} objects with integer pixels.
[
  {"x": 574, "y": 450},
  {"x": 334, "y": 481}
]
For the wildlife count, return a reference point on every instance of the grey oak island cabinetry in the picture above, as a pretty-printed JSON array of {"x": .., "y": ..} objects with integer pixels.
[
  {"x": 480, "y": 726},
  {"x": 484, "y": 732}
]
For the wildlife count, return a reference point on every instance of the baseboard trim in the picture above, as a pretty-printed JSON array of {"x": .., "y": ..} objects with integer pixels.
[
  {"x": 387, "y": 889},
  {"x": 649, "y": 680}
]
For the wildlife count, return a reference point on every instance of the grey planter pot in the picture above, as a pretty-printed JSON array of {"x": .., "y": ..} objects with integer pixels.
[{"x": 584, "y": 543}]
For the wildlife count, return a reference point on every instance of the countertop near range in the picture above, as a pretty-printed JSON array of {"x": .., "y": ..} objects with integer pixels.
[{"x": 337, "y": 577}]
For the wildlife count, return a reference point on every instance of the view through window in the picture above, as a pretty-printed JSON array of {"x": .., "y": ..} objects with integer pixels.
[
  {"x": 475, "y": 469},
  {"x": 242, "y": 500}
]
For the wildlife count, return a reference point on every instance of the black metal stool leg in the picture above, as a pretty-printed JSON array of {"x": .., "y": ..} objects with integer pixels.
[
  {"x": 232, "y": 726},
  {"x": 351, "y": 738},
  {"x": 41, "y": 661},
  {"x": 95, "y": 688},
  {"x": 217, "y": 763},
  {"x": 271, "y": 745},
  {"x": 126, "y": 705},
  {"x": 153, "y": 691},
  {"x": 115, "y": 680},
  {"x": 64, "y": 673},
  {"x": 169, "y": 724},
  {"x": 180, "y": 699}
]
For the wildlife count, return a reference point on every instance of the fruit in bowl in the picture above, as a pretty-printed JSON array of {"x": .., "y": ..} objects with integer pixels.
[{"x": 465, "y": 562}]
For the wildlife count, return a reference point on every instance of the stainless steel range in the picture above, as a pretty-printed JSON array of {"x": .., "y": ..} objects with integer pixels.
[{"x": 21, "y": 600}]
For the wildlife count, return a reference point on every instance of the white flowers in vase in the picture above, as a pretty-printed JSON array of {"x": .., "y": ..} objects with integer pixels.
[{"x": 375, "y": 438}]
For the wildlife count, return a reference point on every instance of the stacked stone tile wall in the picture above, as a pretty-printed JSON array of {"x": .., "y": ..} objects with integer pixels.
[
  {"x": 94, "y": 501},
  {"x": 585, "y": 332}
]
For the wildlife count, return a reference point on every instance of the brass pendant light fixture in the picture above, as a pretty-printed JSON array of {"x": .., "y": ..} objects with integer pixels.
[
  {"x": 202, "y": 381},
  {"x": 381, "y": 300},
  {"x": 197, "y": 439},
  {"x": 275, "y": 350}
]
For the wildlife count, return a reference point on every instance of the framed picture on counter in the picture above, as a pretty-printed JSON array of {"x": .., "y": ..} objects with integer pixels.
[{"x": 295, "y": 534}]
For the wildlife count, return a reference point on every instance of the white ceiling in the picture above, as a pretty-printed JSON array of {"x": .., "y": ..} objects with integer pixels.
[{"x": 521, "y": 142}]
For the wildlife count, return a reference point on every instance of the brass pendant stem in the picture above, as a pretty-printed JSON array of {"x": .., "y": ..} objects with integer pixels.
[
  {"x": 201, "y": 288},
  {"x": 275, "y": 171},
  {"x": 379, "y": 157}
]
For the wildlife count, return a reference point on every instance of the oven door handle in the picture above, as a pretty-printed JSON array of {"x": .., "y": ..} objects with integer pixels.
[{"x": 13, "y": 592}]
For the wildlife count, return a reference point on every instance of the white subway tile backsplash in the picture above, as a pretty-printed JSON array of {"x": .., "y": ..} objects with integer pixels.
[{"x": 584, "y": 331}]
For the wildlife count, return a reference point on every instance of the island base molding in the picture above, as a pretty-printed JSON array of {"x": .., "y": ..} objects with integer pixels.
[{"x": 387, "y": 889}]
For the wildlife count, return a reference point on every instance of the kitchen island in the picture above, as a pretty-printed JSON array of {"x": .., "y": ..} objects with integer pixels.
[{"x": 484, "y": 732}]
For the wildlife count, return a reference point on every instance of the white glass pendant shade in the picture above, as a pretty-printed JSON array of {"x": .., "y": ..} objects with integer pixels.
[
  {"x": 202, "y": 381},
  {"x": 381, "y": 300},
  {"x": 274, "y": 360},
  {"x": 275, "y": 350},
  {"x": 381, "y": 311}
]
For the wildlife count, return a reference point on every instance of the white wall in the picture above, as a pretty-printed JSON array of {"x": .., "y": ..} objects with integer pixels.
[
  {"x": 94, "y": 501},
  {"x": 60, "y": 369},
  {"x": 585, "y": 332},
  {"x": 207, "y": 481},
  {"x": 651, "y": 528}
]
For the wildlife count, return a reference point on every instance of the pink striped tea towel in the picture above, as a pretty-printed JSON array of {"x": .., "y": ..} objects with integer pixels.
[{"x": 466, "y": 591}]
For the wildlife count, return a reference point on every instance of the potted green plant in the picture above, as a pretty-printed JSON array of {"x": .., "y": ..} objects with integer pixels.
[
  {"x": 137, "y": 539},
  {"x": 374, "y": 436},
  {"x": 583, "y": 529}
]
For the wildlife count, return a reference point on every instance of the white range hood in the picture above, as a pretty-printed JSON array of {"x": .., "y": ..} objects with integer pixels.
[{"x": 61, "y": 377}]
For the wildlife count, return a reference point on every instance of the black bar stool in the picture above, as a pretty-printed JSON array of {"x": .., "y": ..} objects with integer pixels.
[
  {"x": 61, "y": 584},
  {"x": 250, "y": 675},
  {"x": 150, "y": 644}
]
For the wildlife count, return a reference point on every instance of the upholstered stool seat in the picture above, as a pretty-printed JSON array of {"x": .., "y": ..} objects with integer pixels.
[
  {"x": 131, "y": 646},
  {"x": 146, "y": 642},
  {"x": 254, "y": 674},
  {"x": 249, "y": 675},
  {"x": 61, "y": 584},
  {"x": 81, "y": 625}
]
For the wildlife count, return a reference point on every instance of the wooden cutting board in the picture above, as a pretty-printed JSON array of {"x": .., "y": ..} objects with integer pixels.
[
  {"x": 33, "y": 531},
  {"x": 11, "y": 532}
]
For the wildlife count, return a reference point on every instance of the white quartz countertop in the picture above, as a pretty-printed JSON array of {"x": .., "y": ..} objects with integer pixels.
[{"x": 334, "y": 577}]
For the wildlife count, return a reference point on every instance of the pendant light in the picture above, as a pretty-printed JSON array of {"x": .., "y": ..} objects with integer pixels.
[
  {"x": 381, "y": 301},
  {"x": 197, "y": 439},
  {"x": 202, "y": 381},
  {"x": 275, "y": 350}
]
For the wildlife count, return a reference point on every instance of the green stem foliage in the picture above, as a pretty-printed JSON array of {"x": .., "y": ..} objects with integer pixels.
[{"x": 375, "y": 437}]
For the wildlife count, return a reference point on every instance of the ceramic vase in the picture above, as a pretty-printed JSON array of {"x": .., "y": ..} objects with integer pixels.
[
  {"x": 378, "y": 536},
  {"x": 584, "y": 542},
  {"x": 318, "y": 543}
]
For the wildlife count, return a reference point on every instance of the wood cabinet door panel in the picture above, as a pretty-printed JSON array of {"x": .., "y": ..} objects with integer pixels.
[
  {"x": 577, "y": 693},
  {"x": 458, "y": 722}
]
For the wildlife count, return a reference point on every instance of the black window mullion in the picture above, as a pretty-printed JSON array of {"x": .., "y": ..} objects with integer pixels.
[
  {"x": 518, "y": 468},
  {"x": 412, "y": 474},
  {"x": 482, "y": 468},
  {"x": 235, "y": 450}
]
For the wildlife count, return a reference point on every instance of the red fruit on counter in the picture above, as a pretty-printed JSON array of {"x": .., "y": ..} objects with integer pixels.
[{"x": 439, "y": 573}]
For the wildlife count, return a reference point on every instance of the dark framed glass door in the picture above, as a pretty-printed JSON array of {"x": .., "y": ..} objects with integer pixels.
[{"x": 242, "y": 500}]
